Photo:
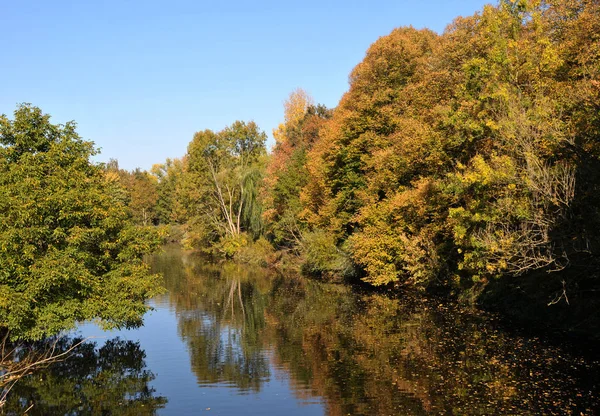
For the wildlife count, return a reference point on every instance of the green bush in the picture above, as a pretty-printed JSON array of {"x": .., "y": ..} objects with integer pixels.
[
  {"x": 259, "y": 252},
  {"x": 323, "y": 258}
]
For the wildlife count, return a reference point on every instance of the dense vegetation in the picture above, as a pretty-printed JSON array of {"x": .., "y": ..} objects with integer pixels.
[
  {"x": 454, "y": 162},
  {"x": 68, "y": 249},
  {"x": 465, "y": 163}
]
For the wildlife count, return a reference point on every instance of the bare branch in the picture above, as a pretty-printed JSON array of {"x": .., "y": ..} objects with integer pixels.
[{"x": 15, "y": 365}]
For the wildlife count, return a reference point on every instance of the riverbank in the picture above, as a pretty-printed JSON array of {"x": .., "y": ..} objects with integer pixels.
[
  {"x": 541, "y": 302},
  {"x": 545, "y": 302},
  {"x": 558, "y": 304}
]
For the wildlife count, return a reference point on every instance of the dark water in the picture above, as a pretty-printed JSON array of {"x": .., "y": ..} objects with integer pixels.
[{"x": 231, "y": 340}]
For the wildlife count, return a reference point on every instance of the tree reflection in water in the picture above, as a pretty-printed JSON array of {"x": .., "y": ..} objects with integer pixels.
[
  {"x": 220, "y": 311},
  {"x": 365, "y": 353},
  {"x": 112, "y": 379}
]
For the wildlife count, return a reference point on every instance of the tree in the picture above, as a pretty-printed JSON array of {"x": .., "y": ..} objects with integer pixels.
[
  {"x": 68, "y": 251},
  {"x": 286, "y": 172},
  {"x": 466, "y": 156},
  {"x": 378, "y": 142},
  {"x": 168, "y": 176},
  {"x": 221, "y": 181},
  {"x": 143, "y": 195}
]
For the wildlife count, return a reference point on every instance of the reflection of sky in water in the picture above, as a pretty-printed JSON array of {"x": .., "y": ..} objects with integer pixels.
[{"x": 168, "y": 357}]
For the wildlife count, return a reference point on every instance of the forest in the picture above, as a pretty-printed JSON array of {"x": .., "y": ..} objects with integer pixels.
[
  {"x": 459, "y": 172},
  {"x": 464, "y": 163}
]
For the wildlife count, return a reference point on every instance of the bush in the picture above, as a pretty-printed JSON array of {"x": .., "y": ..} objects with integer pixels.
[
  {"x": 323, "y": 258},
  {"x": 259, "y": 252},
  {"x": 228, "y": 246}
]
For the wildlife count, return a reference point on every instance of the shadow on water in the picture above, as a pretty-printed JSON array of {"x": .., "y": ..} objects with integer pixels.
[
  {"x": 112, "y": 379},
  {"x": 363, "y": 353}
]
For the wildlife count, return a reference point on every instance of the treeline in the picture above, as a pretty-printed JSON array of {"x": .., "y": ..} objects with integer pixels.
[{"x": 453, "y": 160}]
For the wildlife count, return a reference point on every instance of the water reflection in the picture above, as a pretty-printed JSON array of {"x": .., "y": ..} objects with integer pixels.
[
  {"x": 111, "y": 380},
  {"x": 220, "y": 311},
  {"x": 364, "y": 353}
]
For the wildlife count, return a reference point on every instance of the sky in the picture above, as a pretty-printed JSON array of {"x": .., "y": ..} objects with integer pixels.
[{"x": 140, "y": 77}]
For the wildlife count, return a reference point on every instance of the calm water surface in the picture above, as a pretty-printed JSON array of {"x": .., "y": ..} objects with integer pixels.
[{"x": 232, "y": 340}]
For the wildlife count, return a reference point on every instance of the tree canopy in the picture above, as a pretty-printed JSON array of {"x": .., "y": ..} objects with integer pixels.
[
  {"x": 220, "y": 184},
  {"x": 454, "y": 160},
  {"x": 68, "y": 250},
  {"x": 460, "y": 157}
]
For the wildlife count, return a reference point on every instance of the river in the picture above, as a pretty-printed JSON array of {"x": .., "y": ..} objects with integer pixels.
[{"x": 230, "y": 339}]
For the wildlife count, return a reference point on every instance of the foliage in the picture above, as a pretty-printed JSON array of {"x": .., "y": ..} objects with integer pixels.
[
  {"x": 168, "y": 176},
  {"x": 68, "y": 250},
  {"x": 219, "y": 187},
  {"x": 460, "y": 157},
  {"x": 323, "y": 258},
  {"x": 144, "y": 197},
  {"x": 452, "y": 160},
  {"x": 259, "y": 252},
  {"x": 286, "y": 173},
  {"x": 139, "y": 191}
]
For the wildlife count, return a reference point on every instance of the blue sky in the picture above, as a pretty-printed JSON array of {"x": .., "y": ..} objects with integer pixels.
[{"x": 140, "y": 77}]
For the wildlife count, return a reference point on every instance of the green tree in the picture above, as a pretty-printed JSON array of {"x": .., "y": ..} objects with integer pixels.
[
  {"x": 168, "y": 175},
  {"x": 143, "y": 194},
  {"x": 68, "y": 251},
  {"x": 221, "y": 182}
]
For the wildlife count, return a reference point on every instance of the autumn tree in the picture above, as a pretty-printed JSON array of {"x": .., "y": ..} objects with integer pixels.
[
  {"x": 143, "y": 197},
  {"x": 138, "y": 189},
  {"x": 517, "y": 196},
  {"x": 371, "y": 149},
  {"x": 458, "y": 158},
  {"x": 286, "y": 172}
]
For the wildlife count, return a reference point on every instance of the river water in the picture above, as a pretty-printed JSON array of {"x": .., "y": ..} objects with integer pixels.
[{"x": 232, "y": 340}]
